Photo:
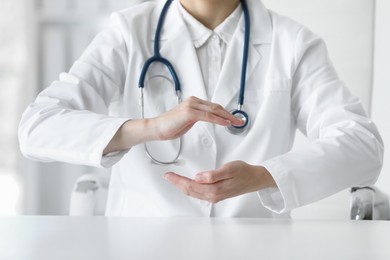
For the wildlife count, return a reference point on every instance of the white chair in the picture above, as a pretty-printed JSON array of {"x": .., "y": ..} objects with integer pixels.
[
  {"x": 369, "y": 203},
  {"x": 89, "y": 195}
]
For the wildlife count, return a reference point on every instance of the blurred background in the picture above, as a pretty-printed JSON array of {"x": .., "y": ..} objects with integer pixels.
[{"x": 41, "y": 38}]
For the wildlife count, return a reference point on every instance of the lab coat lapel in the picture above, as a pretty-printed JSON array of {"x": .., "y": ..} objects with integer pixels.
[
  {"x": 229, "y": 81},
  {"x": 228, "y": 84},
  {"x": 177, "y": 46}
]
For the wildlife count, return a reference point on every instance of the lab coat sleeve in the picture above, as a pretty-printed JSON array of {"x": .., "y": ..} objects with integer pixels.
[
  {"x": 69, "y": 121},
  {"x": 345, "y": 147}
]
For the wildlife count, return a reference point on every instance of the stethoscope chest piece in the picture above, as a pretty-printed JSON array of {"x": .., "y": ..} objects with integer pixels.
[{"x": 236, "y": 130}]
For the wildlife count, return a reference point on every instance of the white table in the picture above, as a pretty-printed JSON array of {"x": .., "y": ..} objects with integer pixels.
[{"x": 85, "y": 238}]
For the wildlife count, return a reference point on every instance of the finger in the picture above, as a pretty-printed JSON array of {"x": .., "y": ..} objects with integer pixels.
[
  {"x": 186, "y": 185},
  {"x": 217, "y": 110},
  {"x": 198, "y": 115},
  {"x": 212, "y": 193},
  {"x": 213, "y": 176}
]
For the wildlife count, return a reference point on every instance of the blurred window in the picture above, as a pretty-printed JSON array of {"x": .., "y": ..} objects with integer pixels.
[
  {"x": 58, "y": 32},
  {"x": 12, "y": 75},
  {"x": 38, "y": 40}
]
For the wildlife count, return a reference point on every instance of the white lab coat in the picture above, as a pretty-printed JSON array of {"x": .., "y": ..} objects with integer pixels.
[{"x": 291, "y": 84}]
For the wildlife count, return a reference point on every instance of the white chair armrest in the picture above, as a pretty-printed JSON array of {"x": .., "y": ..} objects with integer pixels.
[
  {"x": 89, "y": 195},
  {"x": 369, "y": 203}
]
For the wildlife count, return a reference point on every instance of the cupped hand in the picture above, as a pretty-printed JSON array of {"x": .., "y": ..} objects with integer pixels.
[
  {"x": 180, "y": 119},
  {"x": 230, "y": 180}
]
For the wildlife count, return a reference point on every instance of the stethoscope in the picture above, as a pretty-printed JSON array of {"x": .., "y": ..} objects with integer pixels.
[{"x": 239, "y": 112}]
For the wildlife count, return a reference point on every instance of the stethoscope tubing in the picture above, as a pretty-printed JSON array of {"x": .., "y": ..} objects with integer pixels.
[
  {"x": 158, "y": 58},
  {"x": 245, "y": 54},
  {"x": 165, "y": 62},
  {"x": 159, "y": 28},
  {"x": 141, "y": 84}
]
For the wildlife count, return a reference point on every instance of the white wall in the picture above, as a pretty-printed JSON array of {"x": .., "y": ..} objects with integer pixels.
[
  {"x": 347, "y": 28},
  {"x": 381, "y": 90}
]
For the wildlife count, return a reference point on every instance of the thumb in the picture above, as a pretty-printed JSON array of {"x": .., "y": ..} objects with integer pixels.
[{"x": 214, "y": 176}]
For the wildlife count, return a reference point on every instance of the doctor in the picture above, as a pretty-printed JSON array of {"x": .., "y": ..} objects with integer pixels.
[{"x": 92, "y": 114}]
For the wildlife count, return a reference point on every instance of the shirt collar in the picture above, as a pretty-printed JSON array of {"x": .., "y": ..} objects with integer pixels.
[{"x": 200, "y": 33}]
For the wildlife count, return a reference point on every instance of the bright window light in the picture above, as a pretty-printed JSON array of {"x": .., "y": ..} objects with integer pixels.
[{"x": 9, "y": 195}]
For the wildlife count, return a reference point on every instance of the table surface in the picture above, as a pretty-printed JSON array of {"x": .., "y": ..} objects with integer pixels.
[{"x": 112, "y": 238}]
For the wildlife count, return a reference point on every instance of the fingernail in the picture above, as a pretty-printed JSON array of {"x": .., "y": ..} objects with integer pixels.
[
  {"x": 228, "y": 122},
  {"x": 241, "y": 121}
]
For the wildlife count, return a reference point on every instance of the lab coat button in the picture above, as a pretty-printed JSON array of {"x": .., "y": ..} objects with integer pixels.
[{"x": 206, "y": 141}]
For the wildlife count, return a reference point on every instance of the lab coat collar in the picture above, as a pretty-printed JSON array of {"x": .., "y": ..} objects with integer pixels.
[
  {"x": 261, "y": 24},
  {"x": 200, "y": 33},
  {"x": 228, "y": 84}
]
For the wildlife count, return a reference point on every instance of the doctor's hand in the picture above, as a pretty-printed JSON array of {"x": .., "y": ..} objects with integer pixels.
[
  {"x": 230, "y": 180},
  {"x": 180, "y": 119},
  {"x": 170, "y": 125}
]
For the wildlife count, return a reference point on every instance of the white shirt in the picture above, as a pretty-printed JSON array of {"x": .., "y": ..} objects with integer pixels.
[{"x": 211, "y": 45}]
